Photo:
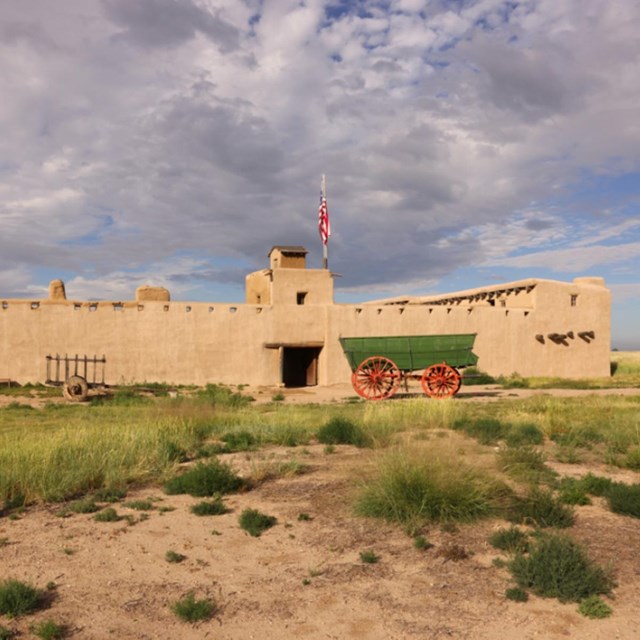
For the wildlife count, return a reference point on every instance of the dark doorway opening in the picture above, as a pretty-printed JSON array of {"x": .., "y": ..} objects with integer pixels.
[{"x": 300, "y": 366}]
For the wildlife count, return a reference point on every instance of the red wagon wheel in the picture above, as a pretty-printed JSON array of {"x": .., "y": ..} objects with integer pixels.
[
  {"x": 440, "y": 381},
  {"x": 376, "y": 378}
]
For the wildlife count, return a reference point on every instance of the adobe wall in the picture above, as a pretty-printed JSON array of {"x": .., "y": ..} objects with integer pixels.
[{"x": 196, "y": 343}]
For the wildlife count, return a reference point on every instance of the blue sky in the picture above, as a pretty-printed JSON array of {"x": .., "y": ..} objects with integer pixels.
[{"x": 465, "y": 143}]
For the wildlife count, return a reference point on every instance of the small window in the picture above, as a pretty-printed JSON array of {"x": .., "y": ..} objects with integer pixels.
[
  {"x": 301, "y": 297},
  {"x": 503, "y": 303},
  {"x": 574, "y": 299}
]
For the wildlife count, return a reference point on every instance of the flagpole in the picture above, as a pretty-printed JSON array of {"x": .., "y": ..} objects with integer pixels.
[{"x": 325, "y": 247}]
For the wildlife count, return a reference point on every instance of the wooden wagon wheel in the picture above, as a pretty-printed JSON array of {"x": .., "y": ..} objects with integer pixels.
[
  {"x": 75, "y": 389},
  {"x": 440, "y": 381},
  {"x": 376, "y": 378}
]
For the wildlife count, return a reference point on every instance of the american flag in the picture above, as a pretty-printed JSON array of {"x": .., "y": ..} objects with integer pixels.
[{"x": 323, "y": 220}]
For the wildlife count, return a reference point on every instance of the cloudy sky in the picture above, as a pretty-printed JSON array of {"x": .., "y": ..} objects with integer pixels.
[{"x": 465, "y": 143}]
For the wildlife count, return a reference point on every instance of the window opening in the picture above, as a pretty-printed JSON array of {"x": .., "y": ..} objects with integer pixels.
[
  {"x": 301, "y": 297},
  {"x": 574, "y": 299}
]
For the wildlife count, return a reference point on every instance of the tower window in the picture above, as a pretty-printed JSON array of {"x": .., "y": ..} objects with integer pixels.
[
  {"x": 301, "y": 297},
  {"x": 574, "y": 299}
]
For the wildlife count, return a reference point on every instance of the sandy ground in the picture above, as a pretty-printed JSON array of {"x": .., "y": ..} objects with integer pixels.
[{"x": 302, "y": 578}]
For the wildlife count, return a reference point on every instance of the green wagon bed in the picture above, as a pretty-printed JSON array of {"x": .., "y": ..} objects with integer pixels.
[{"x": 380, "y": 364}]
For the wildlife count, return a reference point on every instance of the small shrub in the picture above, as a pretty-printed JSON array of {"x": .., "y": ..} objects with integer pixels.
[
  {"x": 512, "y": 540},
  {"x": 516, "y": 594},
  {"x": 524, "y": 434},
  {"x": 223, "y": 396},
  {"x": 557, "y": 567},
  {"x": 49, "y": 630},
  {"x": 277, "y": 397},
  {"x": 18, "y": 598},
  {"x": 255, "y": 523},
  {"x": 594, "y": 607},
  {"x": 329, "y": 449},
  {"x": 108, "y": 515},
  {"x": 205, "y": 480},
  {"x": 369, "y": 557},
  {"x": 304, "y": 517},
  {"x": 514, "y": 381},
  {"x": 632, "y": 459},
  {"x": 342, "y": 431},
  {"x": 174, "y": 557},
  {"x": 189, "y": 609},
  {"x": 541, "y": 509},
  {"x": 86, "y": 505},
  {"x": 624, "y": 499},
  {"x": 209, "y": 507}
]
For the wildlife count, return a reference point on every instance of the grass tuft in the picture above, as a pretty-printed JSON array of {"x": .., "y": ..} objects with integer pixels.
[
  {"x": 214, "y": 507},
  {"x": 49, "y": 630},
  {"x": 595, "y": 607},
  {"x": 173, "y": 557},
  {"x": 188, "y": 609},
  {"x": 540, "y": 508},
  {"x": 369, "y": 557},
  {"x": 512, "y": 540},
  {"x": 18, "y": 598},
  {"x": 624, "y": 499},
  {"x": 558, "y": 567},
  {"x": 107, "y": 515},
  {"x": 205, "y": 480},
  {"x": 342, "y": 431},
  {"x": 516, "y": 594},
  {"x": 255, "y": 523},
  {"x": 525, "y": 464},
  {"x": 413, "y": 487}
]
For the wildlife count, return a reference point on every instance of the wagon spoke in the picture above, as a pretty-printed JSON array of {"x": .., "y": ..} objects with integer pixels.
[
  {"x": 376, "y": 378},
  {"x": 440, "y": 381}
]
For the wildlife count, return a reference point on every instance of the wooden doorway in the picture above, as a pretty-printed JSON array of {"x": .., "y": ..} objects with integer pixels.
[{"x": 300, "y": 366}]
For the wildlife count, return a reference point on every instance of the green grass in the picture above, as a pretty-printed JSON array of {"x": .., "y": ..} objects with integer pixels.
[
  {"x": 18, "y": 598},
  {"x": 139, "y": 505},
  {"x": 624, "y": 499},
  {"x": 49, "y": 630},
  {"x": 516, "y": 594},
  {"x": 595, "y": 607},
  {"x": 415, "y": 486},
  {"x": 512, "y": 540},
  {"x": 204, "y": 480},
  {"x": 340, "y": 430},
  {"x": 525, "y": 464},
  {"x": 369, "y": 557},
  {"x": 539, "y": 507},
  {"x": 107, "y": 515},
  {"x": 558, "y": 567},
  {"x": 173, "y": 557},
  {"x": 209, "y": 507},
  {"x": 256, "y": 523},
  {"x": 7, "y": 634},
  {"x": 188, "y": 609}
]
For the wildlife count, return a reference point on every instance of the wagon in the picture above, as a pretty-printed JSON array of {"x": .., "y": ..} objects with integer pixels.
[
  {"x": 380, "y": 365},
  {"x": 75, "y": 374}
]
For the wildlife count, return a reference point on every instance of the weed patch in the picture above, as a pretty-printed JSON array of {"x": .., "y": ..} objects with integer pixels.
[
  {"x": 205, "y": 480},
  {"x": 369, "y": 557},
  {"x": 525, "y": 464},
  {"x": 557, "y": 567},
  {"x": 540, "y": 508},
  {"x": 516, "y": 594},
  {"x": 624, "y": 499},
  {"x": 188, "y": 609},
  {"x": 49, "y": 630},
  {"x": 139, "y": 505},
  {"x": 255, "y": 523},
  {"x": 594, "y": 607},
  {"x": 512, "y": 540},
  {"x": 342, "y": 431},
  {"x": 572, "y": 491},
  {"x": 414, "y": 487},
  {"x": 209, "y": 507},
  {"x": 484, "y": 430},
  {"x": 18, "y": 598},
  {"x": 174, "y": 557},
  {"x": 524, "y": 434},
  {"x": 107, "y": 515}
]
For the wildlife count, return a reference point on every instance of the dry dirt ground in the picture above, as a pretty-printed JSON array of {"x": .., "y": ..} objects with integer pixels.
[{"x": 302, "y": 578}]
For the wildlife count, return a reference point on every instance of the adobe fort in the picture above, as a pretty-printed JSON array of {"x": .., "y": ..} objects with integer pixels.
[{"x": 287, "y": 331}]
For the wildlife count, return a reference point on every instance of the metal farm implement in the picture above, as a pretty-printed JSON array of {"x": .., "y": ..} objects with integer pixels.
[
  {"x": 380, "y": 365},
  {"x": 75, "y": 374}
]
